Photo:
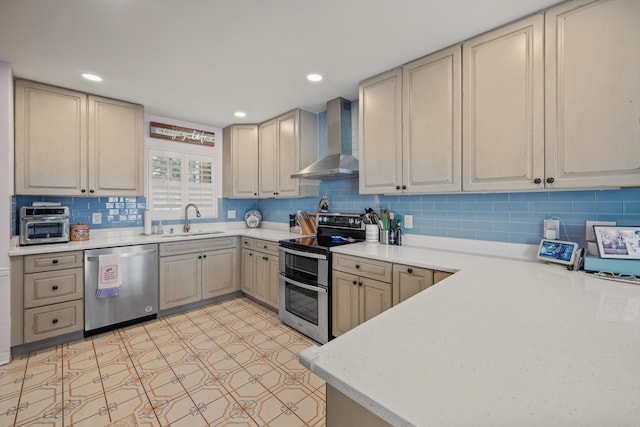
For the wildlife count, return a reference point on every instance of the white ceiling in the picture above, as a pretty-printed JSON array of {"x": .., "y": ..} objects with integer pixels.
[{"x": 201, "y": 60}]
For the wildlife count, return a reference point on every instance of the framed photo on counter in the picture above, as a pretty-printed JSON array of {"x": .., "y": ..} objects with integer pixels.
[{"x": 618, "y": 242}]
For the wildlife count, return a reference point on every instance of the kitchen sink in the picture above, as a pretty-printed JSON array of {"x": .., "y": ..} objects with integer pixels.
[{"x": 195, "y": 233}]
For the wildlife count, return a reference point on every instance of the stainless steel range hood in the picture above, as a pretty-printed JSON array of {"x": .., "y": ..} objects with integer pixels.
[{"x": 339, "y": 163}]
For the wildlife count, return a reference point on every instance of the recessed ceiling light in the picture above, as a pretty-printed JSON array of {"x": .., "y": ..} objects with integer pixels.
[
  {"x": 92, "y": 77},
  {"x": 314, "y": 77},
  {"x": 240, "y": 114}
]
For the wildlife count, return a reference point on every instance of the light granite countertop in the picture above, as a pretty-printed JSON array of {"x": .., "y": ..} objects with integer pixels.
[
  {"x": 503, "y": 342},
  {"x": 126, "y": 237}
]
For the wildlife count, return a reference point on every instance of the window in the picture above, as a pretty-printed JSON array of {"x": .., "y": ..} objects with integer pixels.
[{"x": 177, "y": 179}]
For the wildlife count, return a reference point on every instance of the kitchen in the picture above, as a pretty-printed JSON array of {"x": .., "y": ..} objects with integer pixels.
[{"x": 509, "y": 217}]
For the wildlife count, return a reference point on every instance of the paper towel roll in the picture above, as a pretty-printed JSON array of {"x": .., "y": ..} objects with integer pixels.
[{"x": 147, "y": 223}]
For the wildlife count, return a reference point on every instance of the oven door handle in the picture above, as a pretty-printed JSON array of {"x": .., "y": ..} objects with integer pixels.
[
  {"x": 302, "y": 285},
  {"x": 302, "y": 253}
]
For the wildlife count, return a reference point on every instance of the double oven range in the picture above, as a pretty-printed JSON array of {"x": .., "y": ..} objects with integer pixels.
[{"x": 305, "y": 274}]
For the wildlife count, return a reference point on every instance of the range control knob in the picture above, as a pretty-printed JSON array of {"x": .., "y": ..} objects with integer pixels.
[{"x": 356, "y": 223}]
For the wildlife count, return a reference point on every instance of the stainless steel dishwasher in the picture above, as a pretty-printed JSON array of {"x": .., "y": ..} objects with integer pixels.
[{"x": 138, "y": 291}]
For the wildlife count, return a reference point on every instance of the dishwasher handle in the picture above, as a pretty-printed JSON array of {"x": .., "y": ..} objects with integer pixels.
[{"x": 124, "y": 255}]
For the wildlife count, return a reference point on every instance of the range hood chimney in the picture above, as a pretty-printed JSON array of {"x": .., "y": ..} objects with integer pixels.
[{"x": 339, "y": 163}]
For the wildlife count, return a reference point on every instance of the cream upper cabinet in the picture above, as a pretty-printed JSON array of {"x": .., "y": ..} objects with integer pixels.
[
  {"x": 410, "y": 135},
  {"x": 116, "y": 147},
  {"x": 503, "y": 108},
  {"x": 70, "y": 144},
  {"x": 593, "y": 94},
  {"x": 288, "y": 161},
  {"x": 240, "y": 161},
  {"x": 285, "y": 145},
  {"x": 50, "y": 140},
  {"x": 380, "y": 148},
  {"x": 431, "y": 114}
]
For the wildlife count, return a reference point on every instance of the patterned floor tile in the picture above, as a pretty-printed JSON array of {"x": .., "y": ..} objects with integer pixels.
[
  {"x": 264, "y": 410},
  {"x": 169, "y": 411},
  {"x": 228, "y": 364}
]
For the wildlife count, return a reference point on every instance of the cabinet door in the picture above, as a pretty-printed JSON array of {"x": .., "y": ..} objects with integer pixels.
[
  {"x": 267, "y": 158},
  {"x": 503, "y": 127},
  {"x": 219, "y": 272},
  {"x": 440, "y": 275},
  {"x": 261, "y": 276},
  {"x": 432, "y": 131},
  {"x": 288, "y": 155},
  {"x": 243, "y": 148},
  {"x": 116, "y": 156},
  {"x": 375, "y": 297},
  {"x": 381, "y": 134},
  {"x": 50, "y": 140},
  {"x": 248, "y": 275},
  {"x": 180, "y": 279},
  {"x": 345, "y": 300},
  {"x": 273, "y": 267},
  {"x": 408, "y": 281},
  {"x": 593, "y": 94}
]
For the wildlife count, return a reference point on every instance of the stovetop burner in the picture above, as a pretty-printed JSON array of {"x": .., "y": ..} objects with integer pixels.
[{"x": 334, "y": 229}]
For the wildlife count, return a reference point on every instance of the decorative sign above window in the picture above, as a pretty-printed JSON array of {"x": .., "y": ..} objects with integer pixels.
[{"x": 178, "y": 133}]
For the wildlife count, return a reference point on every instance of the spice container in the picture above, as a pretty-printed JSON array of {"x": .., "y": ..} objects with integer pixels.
[{"x": 79, "y": 232}]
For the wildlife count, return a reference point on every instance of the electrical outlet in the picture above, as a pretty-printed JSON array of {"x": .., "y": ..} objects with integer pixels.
[
  {"x": 96, "y": 218},
  {"x": 590, "y": 237},
  {"x": 408, "y": 221},
  {"x": 551, "y": 229},
  {"x": 231, "y": 214}
]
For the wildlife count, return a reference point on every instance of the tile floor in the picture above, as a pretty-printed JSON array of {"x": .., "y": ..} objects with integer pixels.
[{"x": 227, "y": 364}]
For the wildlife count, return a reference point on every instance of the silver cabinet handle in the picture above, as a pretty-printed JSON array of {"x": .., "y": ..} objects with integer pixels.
[
  {"x": 125, "y": 255},
  {"x": 302, "y": 254},
  {"x": 302, "y": 285}
]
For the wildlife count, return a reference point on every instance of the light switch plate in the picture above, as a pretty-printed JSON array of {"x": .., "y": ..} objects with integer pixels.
[
  {"x": 96, "y": 218},
  {"x": 408, "y": 221},
  {"x": 231, "y": 214}
]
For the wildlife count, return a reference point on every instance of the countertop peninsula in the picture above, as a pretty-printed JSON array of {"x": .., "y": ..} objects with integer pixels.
[{"x": 502, "y": 342}]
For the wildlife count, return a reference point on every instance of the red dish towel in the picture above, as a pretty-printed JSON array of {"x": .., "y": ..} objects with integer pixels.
[{"x": 109, "y": 280}]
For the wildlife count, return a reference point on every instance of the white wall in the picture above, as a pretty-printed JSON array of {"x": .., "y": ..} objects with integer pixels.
[{"x": 6, "y": 190}]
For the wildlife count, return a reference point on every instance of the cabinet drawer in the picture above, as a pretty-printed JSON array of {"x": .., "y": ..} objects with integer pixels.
[
  {"x": 266, "y": 246},
  {"x": 53, "y": 320},
  {"x": 378, "y": 270},
  {"x": 190, "y": 246},
  {"x": 56, "y": 261},
  {"x": 247, "y": 243},
  {"x": 52, "y": 287}
]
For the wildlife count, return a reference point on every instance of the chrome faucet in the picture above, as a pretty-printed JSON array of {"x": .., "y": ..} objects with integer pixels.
[{"x": 187, "y": 225}]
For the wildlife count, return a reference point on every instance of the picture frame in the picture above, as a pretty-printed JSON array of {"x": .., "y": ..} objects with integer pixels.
[{"x": 617, "y": 241}]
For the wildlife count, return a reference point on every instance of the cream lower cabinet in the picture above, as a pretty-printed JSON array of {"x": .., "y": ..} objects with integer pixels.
[
  {"x": 356, "y": 295},
  {"x": 67, "y": 143},
  {"x": 195, "y": 270},
  {"x": 592, "y": 101},
  {"x": 260, "y": 267},
  {"x": 47, "y": 293},
  {"x": 408, "y": 281}
]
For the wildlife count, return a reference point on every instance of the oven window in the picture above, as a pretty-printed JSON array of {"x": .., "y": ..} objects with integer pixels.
[
  {"x": 302, "y": 302},
  {"x": 301, "y": 268},
  {"x": 44, "y": 230}
]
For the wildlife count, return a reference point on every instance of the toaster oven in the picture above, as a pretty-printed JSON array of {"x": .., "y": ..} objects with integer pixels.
[{"x": 44, "y": 224}]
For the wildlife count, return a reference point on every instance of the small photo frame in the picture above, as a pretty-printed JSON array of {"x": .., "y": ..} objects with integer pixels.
[{"x": 618, "y": 242}]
